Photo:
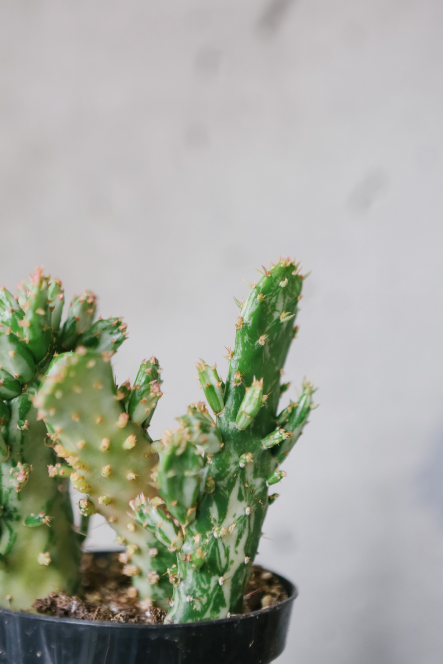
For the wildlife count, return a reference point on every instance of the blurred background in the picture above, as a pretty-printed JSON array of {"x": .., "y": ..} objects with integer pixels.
[{"x": 157, "y": 151}]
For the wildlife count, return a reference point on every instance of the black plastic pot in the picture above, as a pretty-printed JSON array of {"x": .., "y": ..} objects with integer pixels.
[{"x": 255, "y": 638}]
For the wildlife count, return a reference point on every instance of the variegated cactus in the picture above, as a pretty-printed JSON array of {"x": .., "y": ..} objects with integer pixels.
[
  {"x": 39, "y": 548},
  {"x": 189, "y": 508}
]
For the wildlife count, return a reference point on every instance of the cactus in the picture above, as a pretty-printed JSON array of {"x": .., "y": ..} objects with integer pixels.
[
  {"x": 39, "y": 548},
  {"x": 193, "y": 503},
  {"x": 222, "y": 525},
  {"x": 110, "y": 453}
]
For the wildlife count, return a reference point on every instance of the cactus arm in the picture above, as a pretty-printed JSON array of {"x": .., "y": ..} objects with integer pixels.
[
  {"x": 150, "y": 515},
  {"x": 56, "y": 297},
  {"x": 37, "y": 331},
  {"x": 38, "y": 547},
  {"x": 146, "y": 392},
  {"x": 11, "y": 314},
  {"x": 179, "y": 479},
  {"x": 212, "y": 386},
  {"x": 80, "y": 315},
  {"x": 264, "y": 334},
  {"x": 111, "y": 455},
  {"x": 104, "y": 335},
  {"x": 295, "y": 424}
]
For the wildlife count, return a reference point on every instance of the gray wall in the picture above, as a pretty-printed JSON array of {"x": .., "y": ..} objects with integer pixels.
[{"x": 156, "y": 151}]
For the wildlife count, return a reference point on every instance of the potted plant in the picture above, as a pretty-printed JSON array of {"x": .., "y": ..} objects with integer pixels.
[{"x": 187, "y": 509}]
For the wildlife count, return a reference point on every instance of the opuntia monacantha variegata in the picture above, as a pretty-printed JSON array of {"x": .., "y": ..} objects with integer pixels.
[{"x": 189, "y": 508}]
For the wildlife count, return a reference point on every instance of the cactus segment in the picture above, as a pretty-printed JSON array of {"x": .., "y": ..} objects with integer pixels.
[
  {"x": 146, "y": 392},
  {"x": 9, "y": 387},
  {"x": 179, "y": 474},
  {"x": 276, "y": 437},
  {"x": 56, "y": 297},
  {"x": 150, "y": 515},
  {"x": 104, "y": 335},
  {"x": 212, "y": 386},
  {"x": 37, "y": 330},
  {"x": 201, "y": 429},
  {"x": 15, "y": 357},
  {"x": 81, "y": 313},
  {"x": 78, "y": 400},
  {"x": 30, "y": 498},
  {"x": 184, "y": 455},
  {"x": 297, "y": 420},
  {"x": 262, "y": 341},
  {"x": 11, "y": 314},
  {"x": 283, "y": 417},
  {"x": 275, "y": 477},
  {"x": 251, "y": 404}
]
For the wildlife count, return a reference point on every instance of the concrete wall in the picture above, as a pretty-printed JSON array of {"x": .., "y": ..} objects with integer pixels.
[{"x": 156, "y": 151}]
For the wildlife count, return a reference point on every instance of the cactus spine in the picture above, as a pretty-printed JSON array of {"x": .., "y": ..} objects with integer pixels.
[{"x": 194, "y": 502}]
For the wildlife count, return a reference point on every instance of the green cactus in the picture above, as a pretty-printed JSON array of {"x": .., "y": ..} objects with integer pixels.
[
  {"x": 222, "y": 526},
  {"x": 110, "y": 453},
  {"x": 39, "y": 548},
  {"x": 201, "y": 493}
]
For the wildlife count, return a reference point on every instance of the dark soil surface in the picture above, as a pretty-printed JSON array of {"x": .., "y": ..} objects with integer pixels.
[{"x": 108, "y": 595}]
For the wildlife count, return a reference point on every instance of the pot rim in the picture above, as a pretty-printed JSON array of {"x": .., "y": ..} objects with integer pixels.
[{"x": 290, "y": 588}]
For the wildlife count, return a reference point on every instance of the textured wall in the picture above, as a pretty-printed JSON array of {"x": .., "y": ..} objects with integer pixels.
[{"x": 156, "y": 151}]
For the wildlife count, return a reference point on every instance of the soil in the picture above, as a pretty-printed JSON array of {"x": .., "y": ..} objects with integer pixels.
[{"x": 109, "y": 596}]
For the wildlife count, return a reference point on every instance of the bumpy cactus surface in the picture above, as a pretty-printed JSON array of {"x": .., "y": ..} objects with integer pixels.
[
  {"x": 110, "y": 453},
  {"x": 39, "y": 548},
  {"x": 201, "y": 493}
]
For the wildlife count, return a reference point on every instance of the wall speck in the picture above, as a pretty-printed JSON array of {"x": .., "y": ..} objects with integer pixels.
[
  {"x": 273, "y": 16},
  {"x": 196, "y": 136},
  {"x": 207, "y": 61},
  {"x": 366, "y": 192}
]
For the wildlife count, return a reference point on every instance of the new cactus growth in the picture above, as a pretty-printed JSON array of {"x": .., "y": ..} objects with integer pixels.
[
  {"x": 189, "y": 507},
  {"x": 39, "y": 548}
]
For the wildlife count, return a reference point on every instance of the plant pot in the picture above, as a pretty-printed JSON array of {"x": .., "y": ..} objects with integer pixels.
[{"x": 255, "y": 638}]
